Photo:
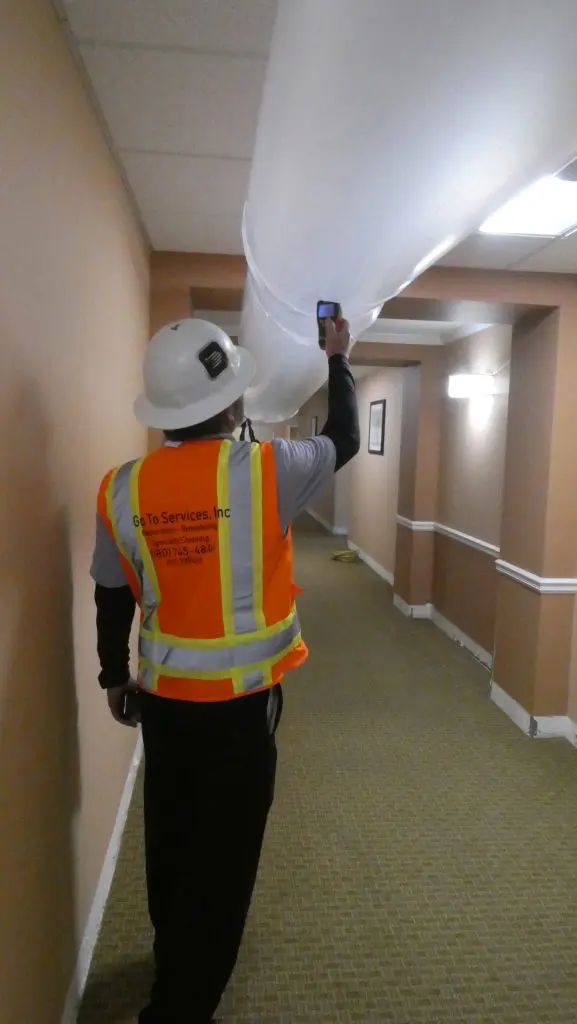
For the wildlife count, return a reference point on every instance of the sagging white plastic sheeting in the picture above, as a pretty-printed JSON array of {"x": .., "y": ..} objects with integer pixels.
[{"x": 389, "y": 129}]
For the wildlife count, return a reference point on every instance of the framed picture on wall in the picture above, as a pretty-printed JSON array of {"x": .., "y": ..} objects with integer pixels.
[
  {"x": 377, "y": 414},
  {"x": 314, "y": 426}
]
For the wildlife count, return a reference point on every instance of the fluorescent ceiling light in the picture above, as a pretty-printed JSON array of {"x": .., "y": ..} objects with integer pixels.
[
  {"x": 471, "y": 385},
  {"x": 547, "y": 208}
]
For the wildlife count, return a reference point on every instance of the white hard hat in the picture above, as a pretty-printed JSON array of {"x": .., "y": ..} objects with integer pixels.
[{"x": 192, "y": 371}]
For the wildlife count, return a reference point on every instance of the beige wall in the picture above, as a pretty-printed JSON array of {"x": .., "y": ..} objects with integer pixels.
[
  {"x": 342, "y": 487},
  {"x": 73, "y": 323},
  {"x": 471, "y": 477},
  {"x": 316, "y": 406},
  {"x": 473, "y": 441},
  {"x": 374, "y": 479}
]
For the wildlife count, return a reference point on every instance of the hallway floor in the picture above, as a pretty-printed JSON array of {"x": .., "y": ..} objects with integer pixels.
[{"x": 421, "y": 859}]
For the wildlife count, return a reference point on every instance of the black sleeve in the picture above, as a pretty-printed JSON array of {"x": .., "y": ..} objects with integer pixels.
[
  {"x": 114, "y": 614},
  {"x": 342, "y": 425}
]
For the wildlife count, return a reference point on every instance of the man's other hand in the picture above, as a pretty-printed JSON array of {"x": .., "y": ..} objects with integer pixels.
[
  {"x": 116, "y": 696},
  {"x": 337, "y": 338}
]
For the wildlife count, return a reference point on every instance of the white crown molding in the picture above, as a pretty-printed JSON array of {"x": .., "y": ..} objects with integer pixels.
[
  {"x": 417, "y": 526},
  {"x": 541, "y": 584},
  {"x": 534, "y": 726},
  {"x": 466, "y": 538}
]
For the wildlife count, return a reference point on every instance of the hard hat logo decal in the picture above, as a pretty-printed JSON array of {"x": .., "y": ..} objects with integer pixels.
[
  {"x": 174, "y": 327},
  {"x": 214, "y": 359}
]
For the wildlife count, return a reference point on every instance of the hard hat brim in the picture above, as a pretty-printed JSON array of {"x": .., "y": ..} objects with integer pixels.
[{"x": 165, "y": 418}]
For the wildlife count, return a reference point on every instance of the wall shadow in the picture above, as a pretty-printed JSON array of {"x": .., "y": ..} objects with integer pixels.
[{"x": 39, "y": 761}]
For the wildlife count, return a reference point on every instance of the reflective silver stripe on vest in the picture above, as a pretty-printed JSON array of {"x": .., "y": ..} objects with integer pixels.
[
  {"x": 147, "y": 676},
  {"x": 241, "y": 553},
  {"x": 218, "y": 659},
  {"x": 125, "y": 527},
  {"x": 185, "y": 655}
]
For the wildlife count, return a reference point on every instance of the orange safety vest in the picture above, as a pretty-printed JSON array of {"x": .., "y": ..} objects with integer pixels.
[{"x": 199, "y": 535}]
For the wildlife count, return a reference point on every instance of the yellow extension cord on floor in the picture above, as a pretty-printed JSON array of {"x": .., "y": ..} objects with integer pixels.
[{"x": 345, "y": 556}]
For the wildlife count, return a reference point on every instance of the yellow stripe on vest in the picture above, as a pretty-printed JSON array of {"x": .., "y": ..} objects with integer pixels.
[
  {"x": 141, "y": 541},
  {"x": 222, "y": 490},
  {"x": 257, "y": 546}
]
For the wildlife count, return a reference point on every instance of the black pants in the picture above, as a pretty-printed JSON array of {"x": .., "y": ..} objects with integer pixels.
[{"x": 209, "y": 785}]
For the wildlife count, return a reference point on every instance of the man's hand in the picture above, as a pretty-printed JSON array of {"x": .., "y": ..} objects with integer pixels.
[
  {"x": 116, "y": 696},
  {"x": 337, "y": 340}
]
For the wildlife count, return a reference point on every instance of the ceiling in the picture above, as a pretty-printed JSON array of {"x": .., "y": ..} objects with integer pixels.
[
  {"x": 177, "y": 85},
  {"x": 515, "y": 252}
]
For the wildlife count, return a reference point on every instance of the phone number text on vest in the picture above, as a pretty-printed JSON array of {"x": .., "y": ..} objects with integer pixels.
[{"x": 181, "y": 538}]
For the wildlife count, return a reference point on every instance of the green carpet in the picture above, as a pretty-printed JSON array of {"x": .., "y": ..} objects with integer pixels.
[{"x": 421, "y": 859}]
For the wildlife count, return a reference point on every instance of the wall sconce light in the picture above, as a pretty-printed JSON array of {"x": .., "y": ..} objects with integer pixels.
[{"x": 471, "y": 385}]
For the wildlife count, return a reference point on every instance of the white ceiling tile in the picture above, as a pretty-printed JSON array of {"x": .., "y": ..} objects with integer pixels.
[
  {"x": 178, "y": 103},
  {"x": 188, "y": 185},
  {"x": 492, "y": 252},
  {"x": 234, "y": 26},
  {"x": 193, "y": 233},
  {"x": 560, "y": 257}
]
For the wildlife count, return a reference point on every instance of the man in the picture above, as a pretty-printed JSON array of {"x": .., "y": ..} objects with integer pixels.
[{"x": 198, "y": 534}]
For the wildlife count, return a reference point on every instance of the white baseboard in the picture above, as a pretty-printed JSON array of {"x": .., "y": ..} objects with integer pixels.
[
  {"x": 456, "y": 634},
  {"x": 413, "y": 611},
  {"x": 535, "y": 726},
  {"x": 337, "y": 531},
  {"x": 94, "y": 922},
  {"x": 372, "y": 564},
  {"x": 428, "y": 611}
]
